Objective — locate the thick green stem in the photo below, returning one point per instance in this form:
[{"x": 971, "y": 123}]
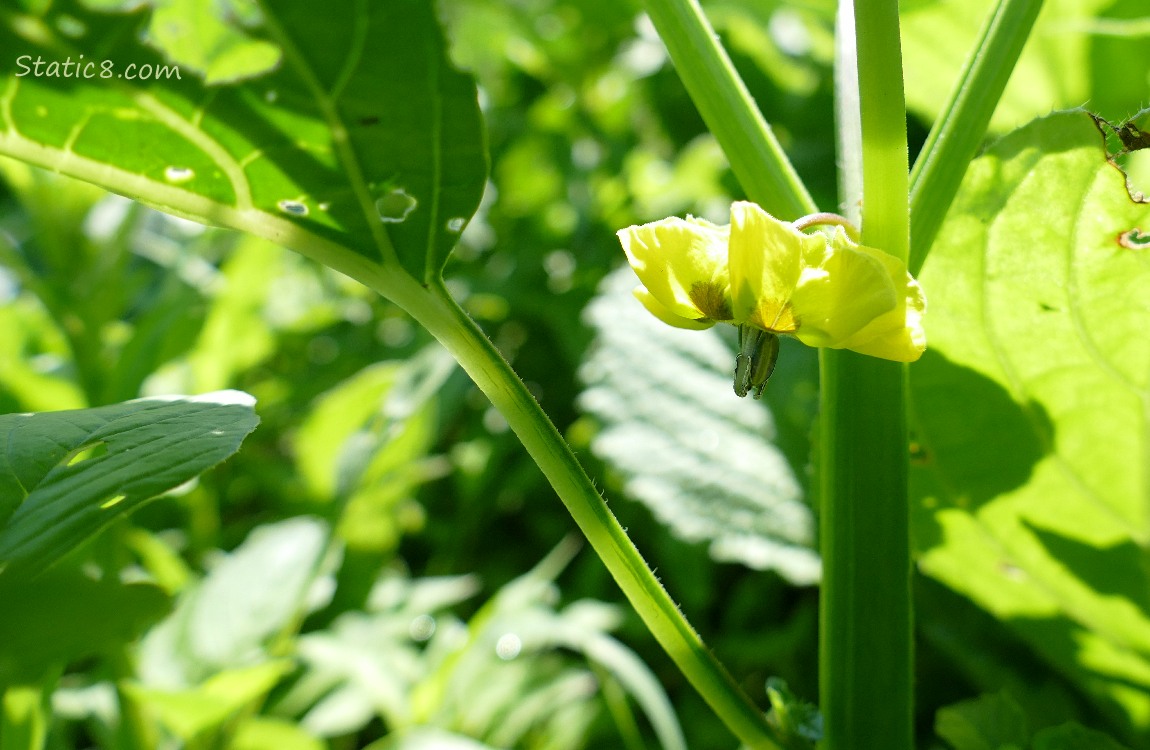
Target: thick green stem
[
  {"x": 865, "y": 614},
  {"x": 442, "y": 317},
  {"x": 955, "y": 137},
  {"x": 722, "y": 99}
]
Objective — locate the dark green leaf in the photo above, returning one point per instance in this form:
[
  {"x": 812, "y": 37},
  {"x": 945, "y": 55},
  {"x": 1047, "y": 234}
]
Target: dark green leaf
[
  {"x": 65, "y": 475},
  {"x": 363, "y": 141},
  {"x": 63, "y": 616},
  {"x": 989, "y": 722}
]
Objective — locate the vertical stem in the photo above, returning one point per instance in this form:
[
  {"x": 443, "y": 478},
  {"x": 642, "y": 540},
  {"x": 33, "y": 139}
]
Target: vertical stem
[{"x": 865, "y": 614}]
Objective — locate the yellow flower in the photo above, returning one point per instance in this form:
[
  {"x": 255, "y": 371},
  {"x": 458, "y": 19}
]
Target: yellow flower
[{"x": 826, "y": 291}]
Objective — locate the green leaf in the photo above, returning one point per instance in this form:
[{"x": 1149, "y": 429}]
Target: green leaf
[
  {"x": 989, "y": 722},
  {"x": 199, "y": 36},
  {"x": 193, "y": 711},
  {"x": 248, "y": 598},
  {"x": 65, "y": 475},
  {"x": 364, "y": 143},
  {"x": 1029, "y": 408},
  {"x": 1072, "y": 736},
  {"x": 686, "y": 446},
  {"x": 65, "y": 615},
  {"x": 261, "y": 732}
]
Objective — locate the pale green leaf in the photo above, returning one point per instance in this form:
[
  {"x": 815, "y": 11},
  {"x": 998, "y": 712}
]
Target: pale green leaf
[
  {"x": 193, "y": 711},
  {"x": 1030, "y": 408},
  {"x": 262, "y": 733},
  {"x": 65, "y": 475},
  {"x": 363, "y": 144},
  {"x": 228, "y": 619},
  {"x": 688, "y": 448}
]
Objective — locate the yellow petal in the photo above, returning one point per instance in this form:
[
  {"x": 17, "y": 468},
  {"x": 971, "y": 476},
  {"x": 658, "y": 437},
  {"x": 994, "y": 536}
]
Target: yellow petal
[
  {"x": 656, "y": 308},
  {"x": 898, "y": 335},
  {"x": 683, "y": 265},
  {"x": 840, "y": 297},
  {"x": 891, "y": 328},
  {"x": 767, "y": 259}
]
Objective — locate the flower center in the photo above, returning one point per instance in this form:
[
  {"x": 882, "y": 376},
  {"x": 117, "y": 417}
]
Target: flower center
[{"x": 711, "y": 299}]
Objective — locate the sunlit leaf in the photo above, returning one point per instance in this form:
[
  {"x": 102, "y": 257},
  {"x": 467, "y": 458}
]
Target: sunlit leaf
[
  {"x": 65, "y": 475},
  {"x": 686, "y": 446},
  {"x": 1030, "y": 408},
  {"x": 363, "y": 143},
  {"x": 192, "y": 711}
]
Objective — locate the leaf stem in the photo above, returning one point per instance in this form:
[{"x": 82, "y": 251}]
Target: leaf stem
[
  {"x": 726, "y": 106},
  {"x": 433, "y": 308},
  {"x": 865, "y": 615},
  {"x": 956, "y": 135}
]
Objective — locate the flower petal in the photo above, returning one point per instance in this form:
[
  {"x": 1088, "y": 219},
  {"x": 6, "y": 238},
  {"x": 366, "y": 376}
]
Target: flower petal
[
  {"x": 892, "y": 333},
  {"x": 656, "y": 308},
  {"x": 767, "y": 258},
  {"x": 842, "y": 296},
  {"x": 682, "y": 264}
]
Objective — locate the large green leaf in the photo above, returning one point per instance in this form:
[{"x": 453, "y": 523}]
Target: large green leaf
[
  {"x": 1030, "y": 408},
  {"x": 685, "y": 445},
  {"x": 363, "y": 143},
  {"x": 64, "y": 615},
  {"x": 65, "y": 475}
]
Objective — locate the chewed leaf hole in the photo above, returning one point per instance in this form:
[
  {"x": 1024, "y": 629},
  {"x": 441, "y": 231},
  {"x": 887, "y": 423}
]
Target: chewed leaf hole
[
  {"x": 1134, "y": 239},
  {"x": 1127, "y": 146},
  {"x": 85, "y": 452},
  {"x": 395, "y": 206},
  {"x": 295, "y": 208},
  {"x": 178, "y": 175},
  {"x": 112, "y": 502}
]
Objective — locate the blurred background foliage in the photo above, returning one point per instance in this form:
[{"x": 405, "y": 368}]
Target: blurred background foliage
[{"x": 390, "y": 630}]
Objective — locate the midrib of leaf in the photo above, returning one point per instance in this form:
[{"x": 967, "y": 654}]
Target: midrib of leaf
[{"x": 326, "y": 102}]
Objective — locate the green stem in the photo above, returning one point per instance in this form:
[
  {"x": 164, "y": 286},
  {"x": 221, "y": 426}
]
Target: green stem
[
  {"x": 956, "y": 135},
  {"x": 726, "y": 106},
  {"x": 865, "y": 615},
  {"x": 442, "y": 317}
]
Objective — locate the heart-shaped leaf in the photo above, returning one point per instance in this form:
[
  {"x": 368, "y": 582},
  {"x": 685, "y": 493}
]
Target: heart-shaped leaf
[{"x": 1030, "y": 408}]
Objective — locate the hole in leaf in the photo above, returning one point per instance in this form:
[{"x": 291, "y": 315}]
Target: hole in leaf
[
  {"x": 85, "y": 452},
  {"x": 394, "y": 207},
  {"x": 1127, "y": 147},
  {"x": 295, "y": 208},
  {"x": 1134, "y": 239},
  {"x": 112, "y": 502}
]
